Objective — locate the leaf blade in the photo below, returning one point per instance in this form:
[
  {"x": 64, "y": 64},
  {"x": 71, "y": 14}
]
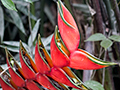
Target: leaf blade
[
  {"x": 29, "y": 1},
  {"x": 94, "y": 85},
  {"x": 1, "y": 24},
  {"x": 17, "y": 21},
  {"x": 106, "y": 43},
  {"x": 32, "y": 37},
  {"x": 115, "y": 38},
  {"x": 9, "y": 4},
  {"x": 96, "y": 37},
  {"x": 13, "y": 49}
]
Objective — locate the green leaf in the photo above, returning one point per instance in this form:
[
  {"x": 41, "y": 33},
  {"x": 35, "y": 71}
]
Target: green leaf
[
  {"x": 1, "y": 24},
  {"x": 47, "y": 40},
  {"x": 17, "y": 21},
  {"x": 29, "y": 1},
  {"x": 94, "y": 85},
  {"x": 11, "y": 48},
  {"x": 33, "y": 35},
  {"x": 106, "y": 43},
  {"x": 96, "y": 37},
  {"x": 14, "y": 43},
  {"x": 115, "y": 38},
  {"x": 9, "y": 4}
]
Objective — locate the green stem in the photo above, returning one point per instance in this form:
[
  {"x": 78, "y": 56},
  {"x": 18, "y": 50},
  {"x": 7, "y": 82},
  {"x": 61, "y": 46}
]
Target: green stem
[
  {"x": 103, "y": 79},
  {"x": 42, "y": 5},
  {"x": 32, "y": 10}
]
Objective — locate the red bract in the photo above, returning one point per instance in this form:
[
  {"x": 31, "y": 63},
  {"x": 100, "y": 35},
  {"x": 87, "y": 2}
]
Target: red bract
[
  {"x": 86, "y": 61},
  {"x": 67, "y": 77},
  {"x": 68, "y": 28},
  {"x": 59, "y": 59},
  {"x": 42, "y": 58},
  {"x": 15, "y": 70},
  {"x": 31, "y": 85},
  {"x": 6, "y": 82},
  {"x": 28, "y": 67},
  {"x": 45, "y": 82}
]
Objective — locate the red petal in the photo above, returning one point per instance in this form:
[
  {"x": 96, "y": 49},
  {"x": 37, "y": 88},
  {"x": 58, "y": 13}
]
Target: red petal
[
  {"x": 41, "y": 65},
  {"x": 58, "y": 58},
  {"x": 28, "y": 67},
  {"x": 60, "y": 76},
  {"x": 21, "y": 89},
  {"x": 42, "y": 58},
  {"x": 6, "y": 81},
  {"x": 81, "y": 59},
  {"x": 70, "y": 35},
  {"x": 15, "y": 70},
  {"x": 74, "y": 79},
  {"x": 26, "y": 70},
  {"x": 32, "y": 85},
  {"x": 45, "y": 82},
  {"x": 16, "y": 79},
  {"x": 5, "y": 86}
]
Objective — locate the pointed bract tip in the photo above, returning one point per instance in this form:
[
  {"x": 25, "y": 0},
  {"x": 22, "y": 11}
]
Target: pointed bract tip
[
  {"x": 20, "y": 41},
  {"x": 56, "y": 29},
  {"x": 39, "y": 36},
  {"x": 21, "y": 44},
  {"x": 6, "y": 49}
]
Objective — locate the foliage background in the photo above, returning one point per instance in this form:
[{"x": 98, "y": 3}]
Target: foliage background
[{"x": 40, "y": 16}]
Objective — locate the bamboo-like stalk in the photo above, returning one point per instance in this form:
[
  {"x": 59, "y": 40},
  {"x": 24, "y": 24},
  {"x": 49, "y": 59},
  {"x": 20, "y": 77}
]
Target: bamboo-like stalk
[
  {"x": 117, "y": 11},
  {"x": 89, "y": 48},
  {"x": 108, "y": 7},
  {"x": 98, "y": 16},
  {"x": 109, "y": 85}
]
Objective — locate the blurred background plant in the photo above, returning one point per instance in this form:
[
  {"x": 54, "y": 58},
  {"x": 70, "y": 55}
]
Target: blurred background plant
[{"x": 24, "y": 19}]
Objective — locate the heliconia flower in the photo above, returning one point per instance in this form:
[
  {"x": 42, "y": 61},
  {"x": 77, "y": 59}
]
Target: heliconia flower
[
  {"x": 6, "y": 82},
  {"x": 15, "y": 70},
  {"x": 59, "y": 54},
  {"x": 62, "y": 75},
  {"x": 30, "y": 70},
  {"x": 68, "y": 28},
  {"x": 78, "y": 59},
  {"x": 52, "y": 72},
  {"x": 83, "y": 60},
  {"x": 42, "y": 57},
  {"x": 28, "y": 66}
]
